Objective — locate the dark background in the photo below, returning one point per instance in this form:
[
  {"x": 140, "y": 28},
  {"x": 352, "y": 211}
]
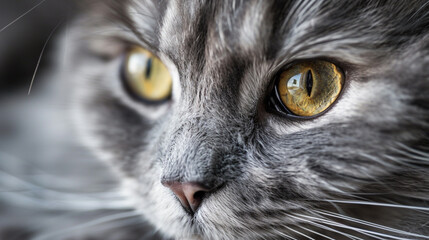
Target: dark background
[{"x": 21, "y": 43}]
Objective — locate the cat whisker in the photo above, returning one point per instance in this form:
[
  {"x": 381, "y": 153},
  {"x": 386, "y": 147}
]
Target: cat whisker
[
  {"x": 299, "y": 233},
  {"x": 420, "y": 9},
  {"x": 325, "y": 227},
  {"x": 377, "y": 204},
  {"x": 378, "y": 160},
  {"x": 72, "y": 204},
  {"x": 126, "y": 223},
  {"x": 397, "y": 203},
  {"x": 107, "y": 196},
  {"x": 355, "y": 220},
  {"x": 405, "y": 162},
  {"x": 93, "y": 223},
  {"x": 32, "y": 194},
  {"x": 22, "y": 15},
  {"x": 283, "y": 234},
  {"x": 40, "y": 57},
  {"x": 34, "y": 187},
  {"x": 43, "y": 180},
  {"x": 414, "y": 154},
  {"x": 40, "y": 226},
  {"x": 366, "y": 232},
  {"x": 413, "y": 150},
  {"x": 317, "y": 233}
]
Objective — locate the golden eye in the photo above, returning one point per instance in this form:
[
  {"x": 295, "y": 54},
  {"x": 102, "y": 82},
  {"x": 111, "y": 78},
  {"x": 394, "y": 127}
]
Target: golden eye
[
  {"x": 146, "y": 76},
  {"x": 309, "y": 88}
]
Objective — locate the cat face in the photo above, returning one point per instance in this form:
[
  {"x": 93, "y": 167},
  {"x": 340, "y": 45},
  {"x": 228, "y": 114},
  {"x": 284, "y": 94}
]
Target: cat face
[{"x": 262, "y": 174}]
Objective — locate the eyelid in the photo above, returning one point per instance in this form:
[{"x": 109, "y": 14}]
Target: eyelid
[{"x": 107, "y": 48}]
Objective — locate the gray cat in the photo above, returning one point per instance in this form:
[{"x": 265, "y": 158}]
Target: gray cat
[{"x": 255, "y": 119}]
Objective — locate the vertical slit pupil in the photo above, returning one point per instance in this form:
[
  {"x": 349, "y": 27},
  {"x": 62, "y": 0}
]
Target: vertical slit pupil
[
  {"x": 148, "y": 68},
  {"x": 309, "y": 82}
]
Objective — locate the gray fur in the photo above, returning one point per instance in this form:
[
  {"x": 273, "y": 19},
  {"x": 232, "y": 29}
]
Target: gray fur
[{"x": 277, "y": 177}]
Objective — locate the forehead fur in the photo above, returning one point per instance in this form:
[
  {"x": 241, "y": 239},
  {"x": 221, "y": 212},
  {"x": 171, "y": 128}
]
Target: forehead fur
[
  {"x": 293, "y": 26},
  {"x": 220, "y": 38}
]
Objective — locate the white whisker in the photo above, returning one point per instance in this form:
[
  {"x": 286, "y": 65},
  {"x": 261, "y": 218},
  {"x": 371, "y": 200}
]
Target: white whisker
[
  {"x": 284, "y": 234},
  {"x": 403, "y": 161},
  {"x": 376, "y": 159},
  {"x": 299, "y": 233},
  {"x": 40, "y": 57},
  {"x": 38, "y": 196},
  {"x": 373, "y": 234},
  {"x": 102, "y": 220},
  {"x": 413, "y": 150},
  {"x": 331, "y": 214},
  {"x": 34, "y": 187},
  {"x": 326, "y": 227},
  {"x": 376, "y": 204},
  {"x": 412, "y": 156},
  {"x": 72, "y": 204},
  {"x": 22, "y": 15},
  {"x": 317, "y": 233}
]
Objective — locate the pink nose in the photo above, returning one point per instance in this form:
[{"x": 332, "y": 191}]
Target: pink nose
[{"x": 190, "y": 194}]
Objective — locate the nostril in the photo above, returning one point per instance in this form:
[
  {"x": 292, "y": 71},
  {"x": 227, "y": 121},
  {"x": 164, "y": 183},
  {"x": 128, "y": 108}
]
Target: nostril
[{"x": 199, "y": 195}]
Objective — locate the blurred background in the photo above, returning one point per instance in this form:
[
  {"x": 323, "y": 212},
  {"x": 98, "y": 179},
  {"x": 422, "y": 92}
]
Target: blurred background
[{"x": 51, "y": 186}]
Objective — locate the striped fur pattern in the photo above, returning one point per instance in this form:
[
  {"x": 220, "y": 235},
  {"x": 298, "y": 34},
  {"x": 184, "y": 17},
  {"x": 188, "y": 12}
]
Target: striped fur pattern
[{"x": 359, "y": 171}]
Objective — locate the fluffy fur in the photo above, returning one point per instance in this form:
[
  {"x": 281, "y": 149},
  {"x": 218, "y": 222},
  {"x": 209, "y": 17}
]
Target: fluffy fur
[{"x": 360, "y": 171}]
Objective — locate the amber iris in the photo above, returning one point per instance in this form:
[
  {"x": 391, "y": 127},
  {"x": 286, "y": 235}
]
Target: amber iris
[
  {"x": 309, "y": 88},
  {"x": 146, "y": 76}
]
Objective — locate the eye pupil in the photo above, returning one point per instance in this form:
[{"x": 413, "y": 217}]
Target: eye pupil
[
  {"x": 148, "y": 69},
  {"x": 309, "y": 82}
]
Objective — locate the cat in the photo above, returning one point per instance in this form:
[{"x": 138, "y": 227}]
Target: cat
[{"x": 225, "y": 155}]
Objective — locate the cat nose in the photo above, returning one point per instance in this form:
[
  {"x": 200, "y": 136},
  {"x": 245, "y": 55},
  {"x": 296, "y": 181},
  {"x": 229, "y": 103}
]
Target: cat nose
[{"x": 190, "y": 194}]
